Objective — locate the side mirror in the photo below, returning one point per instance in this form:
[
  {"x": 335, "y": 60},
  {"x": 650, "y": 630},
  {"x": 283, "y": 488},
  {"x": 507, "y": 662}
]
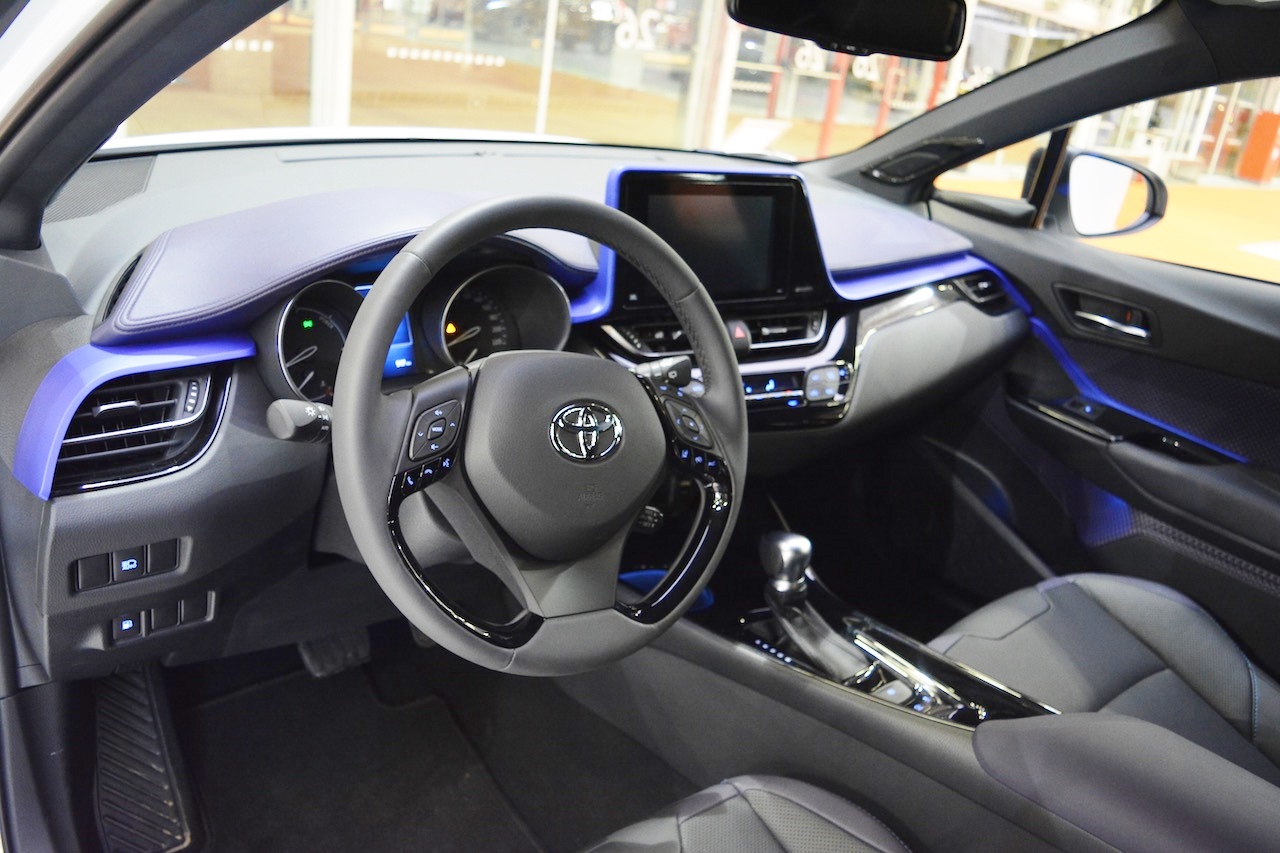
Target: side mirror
[{"x": 1108, "y": 197}]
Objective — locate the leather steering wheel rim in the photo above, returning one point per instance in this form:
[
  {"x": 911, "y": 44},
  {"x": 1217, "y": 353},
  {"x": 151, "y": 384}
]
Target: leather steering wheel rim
[{"x": 566, "y": 630}]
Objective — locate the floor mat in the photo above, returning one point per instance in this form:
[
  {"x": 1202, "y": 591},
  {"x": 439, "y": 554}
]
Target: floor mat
[
  {"x": 297, "y": 764},
  {"x": 573, "y": 777}
]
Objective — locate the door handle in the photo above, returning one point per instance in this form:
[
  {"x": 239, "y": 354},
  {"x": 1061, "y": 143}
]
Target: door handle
[{"x": 1088, "y": 317}]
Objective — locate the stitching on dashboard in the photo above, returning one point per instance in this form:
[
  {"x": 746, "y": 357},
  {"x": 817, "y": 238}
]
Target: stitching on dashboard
[
  {"x": 227, "y": 306},
  {"x": 137, "y": 284}
]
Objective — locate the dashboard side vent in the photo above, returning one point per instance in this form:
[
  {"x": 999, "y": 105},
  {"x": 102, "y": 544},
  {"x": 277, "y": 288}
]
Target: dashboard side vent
[
  {"x": 984, "y": 290},
  {"x": 117, "y": 290},
  {"x": 140, "y": 426}
]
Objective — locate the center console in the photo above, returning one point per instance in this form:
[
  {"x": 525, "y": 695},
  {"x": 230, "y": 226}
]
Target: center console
[{"x": 808, "y": 627}]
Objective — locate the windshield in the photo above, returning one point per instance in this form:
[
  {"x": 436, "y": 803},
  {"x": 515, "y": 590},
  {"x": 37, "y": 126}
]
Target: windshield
[{"x": 658, "y": 73}]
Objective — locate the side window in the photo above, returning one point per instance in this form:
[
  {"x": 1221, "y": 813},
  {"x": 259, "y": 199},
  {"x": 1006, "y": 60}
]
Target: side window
[{"x": 1217, "y": 150}]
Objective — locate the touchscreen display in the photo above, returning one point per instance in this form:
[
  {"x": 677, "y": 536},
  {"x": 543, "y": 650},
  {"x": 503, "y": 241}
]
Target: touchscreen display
[
  {"x": 734, "y": 231},
  {"x": 725, "y": 236}
]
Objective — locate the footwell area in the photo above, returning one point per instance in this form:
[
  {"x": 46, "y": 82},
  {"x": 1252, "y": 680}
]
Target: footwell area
[{"x": 415, "y": 751}]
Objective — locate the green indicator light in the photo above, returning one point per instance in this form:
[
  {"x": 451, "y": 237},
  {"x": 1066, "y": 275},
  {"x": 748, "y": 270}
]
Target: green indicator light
[{"x": 307, "y": 324}]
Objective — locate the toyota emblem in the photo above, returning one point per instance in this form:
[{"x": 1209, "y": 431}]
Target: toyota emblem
[{"x": 586, "y": 432}]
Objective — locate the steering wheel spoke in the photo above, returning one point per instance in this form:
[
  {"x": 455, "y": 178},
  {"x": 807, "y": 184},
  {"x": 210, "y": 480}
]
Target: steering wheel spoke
[{"x": 692, "y": 450}]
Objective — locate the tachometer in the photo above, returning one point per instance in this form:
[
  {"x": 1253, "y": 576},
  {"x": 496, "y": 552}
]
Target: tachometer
[{"x": 310, "y": 347}]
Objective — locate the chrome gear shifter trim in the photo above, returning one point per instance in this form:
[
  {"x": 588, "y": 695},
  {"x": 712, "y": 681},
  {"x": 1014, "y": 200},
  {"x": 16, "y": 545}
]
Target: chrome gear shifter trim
[{"x": 848, "y": 650}]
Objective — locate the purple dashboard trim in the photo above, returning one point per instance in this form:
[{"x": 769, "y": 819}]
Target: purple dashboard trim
[
  {"x": 869, "y": 285},
  {"x": 81, "y": 371}
]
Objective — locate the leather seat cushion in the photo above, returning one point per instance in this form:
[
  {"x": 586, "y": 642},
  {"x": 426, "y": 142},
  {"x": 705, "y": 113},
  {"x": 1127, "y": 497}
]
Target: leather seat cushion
[
  {"x": 758, "y": 814},
  {"x": 1115, "y": 644}
]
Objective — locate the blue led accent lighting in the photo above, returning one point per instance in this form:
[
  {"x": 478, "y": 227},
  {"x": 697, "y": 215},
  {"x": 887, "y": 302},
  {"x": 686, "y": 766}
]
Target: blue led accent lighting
[
  {"x": 1088, "y": 388},
  {"x": 1105, "y": 517},
  {"x": 644, "y": 580},
  {"x": 854, "y": 287},
  {"x": 994, "y": 499},
  {"x": 369, "y": 266}
]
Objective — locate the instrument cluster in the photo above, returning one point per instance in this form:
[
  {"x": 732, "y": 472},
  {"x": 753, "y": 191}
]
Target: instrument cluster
[{"x": 465, "y": 314}]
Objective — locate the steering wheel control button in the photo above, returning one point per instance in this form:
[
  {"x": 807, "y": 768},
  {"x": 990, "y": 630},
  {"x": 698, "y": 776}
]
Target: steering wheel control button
[
  {"x": 434, "y": 430},
  {"x": 419, "y": 477},
  {"x": 687, "y": 422},
  {"x": 585, "y": 432}
]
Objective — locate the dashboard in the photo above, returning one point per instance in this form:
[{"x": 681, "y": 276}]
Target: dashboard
[{"x": 167, "y": 520}]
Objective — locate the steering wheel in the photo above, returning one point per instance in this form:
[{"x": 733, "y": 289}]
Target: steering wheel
[{"x": 535, "y": 465}]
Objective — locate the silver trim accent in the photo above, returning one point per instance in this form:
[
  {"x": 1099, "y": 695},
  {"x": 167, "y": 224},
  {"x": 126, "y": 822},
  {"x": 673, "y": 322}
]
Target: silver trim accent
[
  {"x": 186, "y": 420},
  {"x": 830, "y": 352},
  {"x": 913, "y": 303},
  {"x": 619, "y": 339},
  {"x": 1113, "y": 325},
  {"x": 774, "y": 395}
]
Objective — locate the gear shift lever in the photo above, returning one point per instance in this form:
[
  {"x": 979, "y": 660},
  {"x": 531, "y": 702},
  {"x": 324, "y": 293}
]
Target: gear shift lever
[
  {"x": 849, "y": 656},
  {"x": 786, "y": 557}
]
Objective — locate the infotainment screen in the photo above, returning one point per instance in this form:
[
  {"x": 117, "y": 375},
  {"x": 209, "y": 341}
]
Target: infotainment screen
[{"x": 735, "y": 231}]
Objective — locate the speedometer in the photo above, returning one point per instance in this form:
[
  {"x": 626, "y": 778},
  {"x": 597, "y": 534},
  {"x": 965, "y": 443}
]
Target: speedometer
[
  {"x": 476, "y": 324},
  {"x": 501, "y": 308}
]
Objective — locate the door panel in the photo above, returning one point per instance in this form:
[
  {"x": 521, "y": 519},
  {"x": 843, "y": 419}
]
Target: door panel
[{"x": 1166, "y": 444}]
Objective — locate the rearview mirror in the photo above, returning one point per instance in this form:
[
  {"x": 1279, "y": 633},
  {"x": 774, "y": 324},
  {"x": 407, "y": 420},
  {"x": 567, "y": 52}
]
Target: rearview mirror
[
  {"x": 1109, "y": 196},
  {"x": 919, "y": 29}
]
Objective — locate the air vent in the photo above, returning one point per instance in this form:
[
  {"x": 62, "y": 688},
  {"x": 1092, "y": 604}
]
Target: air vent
[
  {"x": 139, "y": 426},
  {"x": 767, "y": 332},
  {"x": 984, "y": 290},
  {"x": 787, "y": 330},
  {"x": 654, "y": 338}
]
